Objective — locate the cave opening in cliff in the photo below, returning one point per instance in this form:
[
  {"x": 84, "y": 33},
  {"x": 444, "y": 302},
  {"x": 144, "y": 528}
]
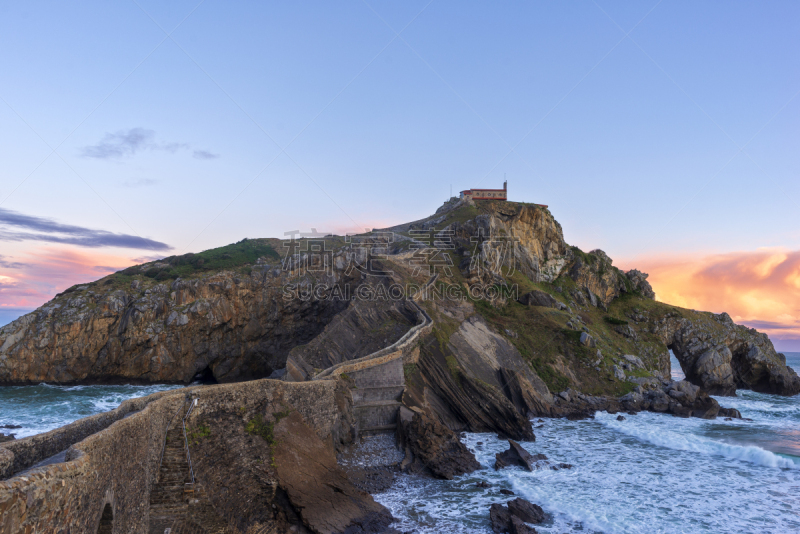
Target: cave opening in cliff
[
  {"x": 206, "y": 376},
  {"x": 106, "y": 525}
]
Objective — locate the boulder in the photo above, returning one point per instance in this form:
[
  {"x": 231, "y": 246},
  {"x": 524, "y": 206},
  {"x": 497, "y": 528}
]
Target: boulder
[
  {"x": 500, "y": 518},
  {"x": 619, "y": 374},
  {"x": 659, "y": 401},
  {"x": 526, "y": 510},
  {"x": 4, "y": 437},
  {"x": 729, "y": 412},
  {"x": 519, "y": 527},
  {"x": 512, "y": 519},
  {"x": 434, "y": 446},
  {"x": 506, "y": 492},
  {"x": 684, "y": 391},
  {"x": 626, "y": 331},
  {"x": 516, "y": 455},
  {"x": 587, "y": 340},
  {"x": 538, "y": 298},
  {"x": 634, "y": 360}
]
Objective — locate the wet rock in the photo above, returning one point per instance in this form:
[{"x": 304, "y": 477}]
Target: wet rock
[
  {"x": 434, "y": 446},
  {"x": 507, "y": 492},
  {"x": 516, "y": 455},
  {"x": 561, "y": 466},
  {"x": 729, "y": 413},
  {"x": 483, "y": 484},
  {"x": 500, "y": 518},
  {"x": 620, "y": 418},
  {"x": 519, "y": 527},
  {"x": 580, "y": 415},
  {"x": 12, "y": 427},
  {"x": 512, "y": 519},
  {"x": 526, "y": 510},
  {"x": 6, "y": 437}
]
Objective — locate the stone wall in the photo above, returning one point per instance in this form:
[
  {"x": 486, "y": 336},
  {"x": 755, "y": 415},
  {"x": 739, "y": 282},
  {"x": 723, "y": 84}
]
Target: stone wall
[
  {"x": 114, "y": 466},
  {"x": 29, "y": 451},
  {"x": 117, "y": 465}
]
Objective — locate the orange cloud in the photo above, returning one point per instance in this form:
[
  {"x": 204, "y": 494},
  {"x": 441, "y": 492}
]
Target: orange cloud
[{"x": 759, "y": 288}]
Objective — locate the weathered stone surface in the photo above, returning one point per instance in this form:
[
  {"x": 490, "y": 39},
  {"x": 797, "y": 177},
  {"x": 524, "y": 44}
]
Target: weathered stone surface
[
  {"x": 538, "y": 298},
  {"x": 512, "y": 519},
  {"x": 230, "y": 326},
  {"x": 720, "y": 356},
  {"x": 117, "y": 464},
  {"x": 317, "y": 487},
  {"x": 434, "y": 446},
  {"x": 587, "y": 341}
]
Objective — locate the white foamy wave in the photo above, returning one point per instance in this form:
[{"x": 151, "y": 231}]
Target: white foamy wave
[{"x": 657, "y": 435}]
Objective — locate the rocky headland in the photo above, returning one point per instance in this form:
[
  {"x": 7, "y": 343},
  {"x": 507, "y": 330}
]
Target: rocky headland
[{"x": 504, "y": 322}]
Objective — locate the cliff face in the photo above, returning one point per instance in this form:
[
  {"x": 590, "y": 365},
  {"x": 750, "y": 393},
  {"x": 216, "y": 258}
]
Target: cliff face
[
  {"x": 580, "y": 322},
  {"x": 236, "y": 326}
]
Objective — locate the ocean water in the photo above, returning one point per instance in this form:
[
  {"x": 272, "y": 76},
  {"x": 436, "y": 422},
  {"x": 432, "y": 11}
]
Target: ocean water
[
  {"x": 44, "y": 407},
  {"x": 651, "y": 473}
]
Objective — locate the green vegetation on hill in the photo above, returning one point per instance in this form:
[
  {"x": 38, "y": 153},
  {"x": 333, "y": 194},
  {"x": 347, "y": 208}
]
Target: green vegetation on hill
[{"x": 245, "y": 252}]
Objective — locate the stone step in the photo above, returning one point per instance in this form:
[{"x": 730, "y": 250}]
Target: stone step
[
  {"x": 377, "y": 404},
  {"x": 383, "y": 428}
]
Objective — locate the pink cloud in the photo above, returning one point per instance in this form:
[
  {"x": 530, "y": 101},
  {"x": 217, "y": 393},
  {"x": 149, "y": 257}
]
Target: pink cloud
[{"x": 47, "y": 271}]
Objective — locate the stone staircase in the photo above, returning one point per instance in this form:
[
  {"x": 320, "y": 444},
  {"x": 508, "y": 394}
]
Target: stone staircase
[
  {"x": 176, "y": 505},
  {"x": 169, "y": 498},
  {"x": 376, "y": 402}
]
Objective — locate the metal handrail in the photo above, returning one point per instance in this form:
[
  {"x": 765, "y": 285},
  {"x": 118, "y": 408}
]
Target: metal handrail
[
  {"x": 164, "y": 447},
  {"x": 186, "y": 439}
]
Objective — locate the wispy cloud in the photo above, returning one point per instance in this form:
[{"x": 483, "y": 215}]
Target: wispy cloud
[
  {"x": 126, "y": 143},
  {"x": 122, "y": 143},
  {"x": 20, "y": 227},
  {"x": 204, "y": 154},
  {"x": 759, "y": 288},
  {"x": 140, "y": 182},
  {"x": 5, "y": 264}
]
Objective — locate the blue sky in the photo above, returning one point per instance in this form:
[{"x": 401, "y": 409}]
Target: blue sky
[{"x": 652, "y": 129}]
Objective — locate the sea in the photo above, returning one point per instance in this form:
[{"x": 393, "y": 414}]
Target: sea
[{"x": 651, "y": 473}]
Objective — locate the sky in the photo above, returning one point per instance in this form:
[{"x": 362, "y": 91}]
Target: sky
[{"x": 664, "y": 133}]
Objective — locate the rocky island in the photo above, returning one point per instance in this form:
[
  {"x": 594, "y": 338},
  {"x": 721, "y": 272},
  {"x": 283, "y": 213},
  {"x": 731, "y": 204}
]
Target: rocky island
[{"x": 476, "y": 319}]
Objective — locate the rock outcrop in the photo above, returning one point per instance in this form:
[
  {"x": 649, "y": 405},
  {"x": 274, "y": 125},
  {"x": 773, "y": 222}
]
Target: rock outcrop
[
  {"x": 512, "y": 518},
  {"x": 431, "y": 446},
  {"x": 721, "y": 356},
  {"x": 516, "y": 455}
]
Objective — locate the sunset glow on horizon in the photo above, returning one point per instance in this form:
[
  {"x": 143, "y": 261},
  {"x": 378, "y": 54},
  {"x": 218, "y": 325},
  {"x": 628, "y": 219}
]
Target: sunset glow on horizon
[{"x": 760, "y": 288}]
